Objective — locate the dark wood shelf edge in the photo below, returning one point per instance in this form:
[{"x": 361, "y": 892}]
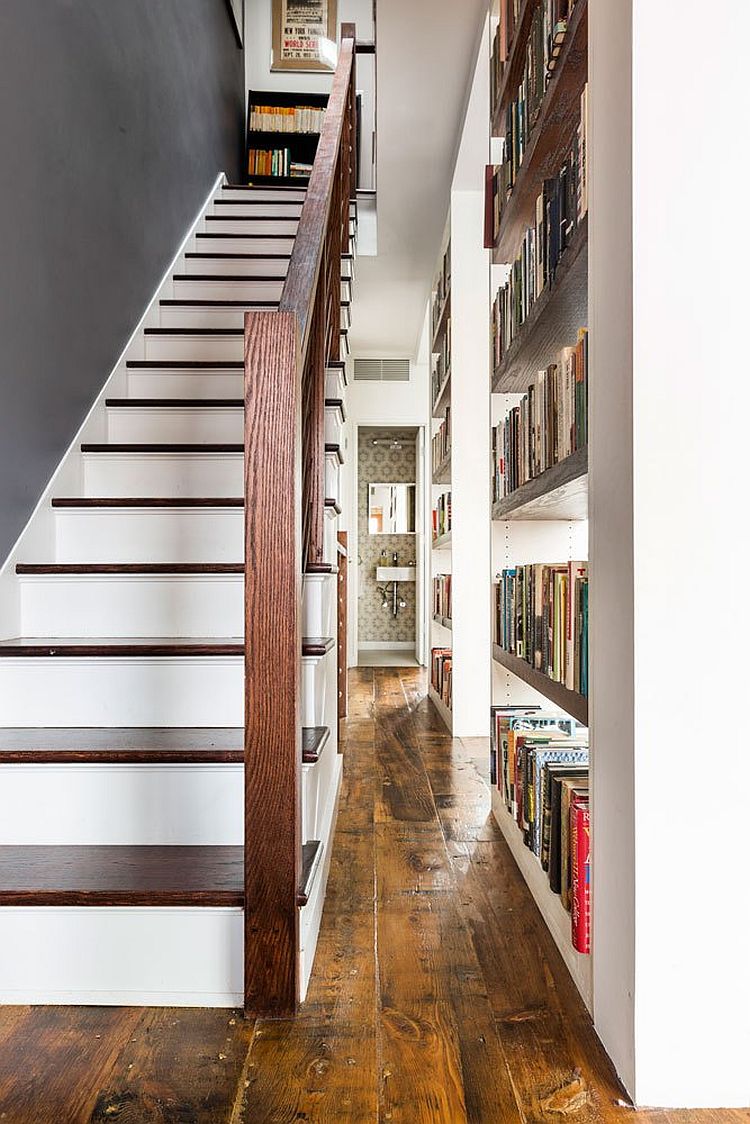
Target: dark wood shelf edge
[
  {"x": 441, "y": 474},
  {"x": 311, "y": 854},
  {"x": 572, "y": 703},
  {"x": 512, "y": 64},
  {"x": 438, "y": 406},
  {"x": 441, "y": 321},
  {"x": 546, "y": 484}
]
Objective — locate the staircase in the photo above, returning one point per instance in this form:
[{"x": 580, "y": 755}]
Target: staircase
[{"x": 152, "y": 795}]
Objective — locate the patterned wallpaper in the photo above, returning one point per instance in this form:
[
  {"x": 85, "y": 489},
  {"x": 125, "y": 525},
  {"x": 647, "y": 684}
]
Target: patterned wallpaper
[{"x": 380, "y": 465}]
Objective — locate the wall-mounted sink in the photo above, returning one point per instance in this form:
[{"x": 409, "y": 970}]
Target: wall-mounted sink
[{"x": 396, "y": 573}]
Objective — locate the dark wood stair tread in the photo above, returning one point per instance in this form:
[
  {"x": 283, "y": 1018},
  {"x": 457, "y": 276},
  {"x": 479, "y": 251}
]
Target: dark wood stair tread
[
  {"x": 331, "y": 448},
  {"x": 225, "y": 255},
  {"x": 181, "y": 403},
  {"x": 226, "y": 277},
  {"x": 261, "y": 202},
  {"x": 267, "y": 305},
  {"x": 84, "y": 502},
  {"x": 130, "y": 646},
  {"x": 209, "y": 234},
  {"x": 313, "y": 740},
  {"x": 130, "y": 568},
  {"x": 177, "y": 332},
  {"x": 130, "y": 745},
  {"x": 185, "y": 365},
  {"x": 178, "y": 447},
  {"x": 311, "y": 852},
  {"x": 121, "y": 876},
  {"x": 254, "y": 218}
]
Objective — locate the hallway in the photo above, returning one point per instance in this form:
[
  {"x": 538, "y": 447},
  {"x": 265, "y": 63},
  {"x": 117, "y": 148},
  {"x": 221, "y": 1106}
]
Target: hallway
[{"x": 437, "y": 994}]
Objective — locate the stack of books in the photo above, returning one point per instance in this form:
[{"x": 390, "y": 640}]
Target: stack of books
[
  {"x": 542, "y": 617},
  {"x": 441, "y": 442},
  {"x": 506, "y": 29},
  {"x": 560, "y": 207},
  {"x": 539, "y": 763},
  {"x": 442, "y": 289},
  {"x": 441, "y": 674},
  {"x": 286, "y": 118},
  {"x": 441, "y": 516},
  {"x": 269, "y": 162},
  {"x": 548, "y": 425},
  {"x": 442, "y": 363},
  {"x": 441, "y": 596}
]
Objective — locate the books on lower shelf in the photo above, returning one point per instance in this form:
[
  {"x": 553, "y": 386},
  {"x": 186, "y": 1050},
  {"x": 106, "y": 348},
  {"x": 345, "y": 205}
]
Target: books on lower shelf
[
  {"x": 441, "y": 289},
  {"x": 542, "y": 618},
  {"x": 286, "y": 118},
  {"x": 548, "y": 425},
  {"x": 539, "y": 763},
  {"x": 441, "y": 596},
  {"x": 506, "y": 29},
  {"x": 560, "y": 207},
  {"x": 442, "y": 361},
  {"x": 269, "y": 162},
  {"x": 442, "y": 516},
  {"x": 441, "y": 674},
  {"x": 441, "y": 442}
]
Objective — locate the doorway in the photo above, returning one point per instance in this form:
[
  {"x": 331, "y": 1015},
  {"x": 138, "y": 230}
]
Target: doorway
[{"x": 390, "y": 547}]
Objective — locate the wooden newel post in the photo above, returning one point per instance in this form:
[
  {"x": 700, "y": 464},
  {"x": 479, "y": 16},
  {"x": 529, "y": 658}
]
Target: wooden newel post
[{"x": 273, "y": 645}]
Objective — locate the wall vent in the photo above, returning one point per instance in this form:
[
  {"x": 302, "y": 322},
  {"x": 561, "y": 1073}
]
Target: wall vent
[{"x": 381, "y": 370}]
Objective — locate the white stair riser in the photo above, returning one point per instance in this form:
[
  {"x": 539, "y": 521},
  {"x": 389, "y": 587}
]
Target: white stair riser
[
  {"x": 258, "y": 208},
  {"x": 119, "y": 605},
  {"x": 187, "y": 957},
  {"x": 188, "y": 289},
  {"x": 194, "y": 348},
  {"x": 149, "y": 535},
  {"x": 163, "y": 474},
  {"x": 333, "y": 478},
  {"x": 185, "y": 384},
  {"x": 267, "y": 193},
  {"x": 333, "y": 426},
  {"x": 122, "y": 805},
  {"x": 319, "y": 691},
  {"x": 117, "y": 691},
  {"x": 273, "y": 229},
  {"x": 175, "y": 425},
  {"x": 228, "y": 243},
  {"x": 319, "y": 604},
  {"x": 252, "y": 267},
  {"x": 335, "y": 384},
  {"x": 311, "y": 914},
  {"x": 197, "y": 318}
]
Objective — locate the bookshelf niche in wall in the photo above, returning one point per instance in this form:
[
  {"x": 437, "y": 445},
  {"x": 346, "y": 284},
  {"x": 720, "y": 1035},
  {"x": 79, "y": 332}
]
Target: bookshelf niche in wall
[
  {"x": 536, "y": 226},
  {"x": 441, "y": 669},
  {"x": 283, "y": 130}
]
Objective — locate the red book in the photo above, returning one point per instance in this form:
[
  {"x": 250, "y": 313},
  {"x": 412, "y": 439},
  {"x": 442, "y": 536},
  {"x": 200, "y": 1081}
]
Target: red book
[{"x": 580, "y": 853}]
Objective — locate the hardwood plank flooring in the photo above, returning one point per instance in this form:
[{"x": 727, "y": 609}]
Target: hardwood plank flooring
[{"x": 437, "y": 993}]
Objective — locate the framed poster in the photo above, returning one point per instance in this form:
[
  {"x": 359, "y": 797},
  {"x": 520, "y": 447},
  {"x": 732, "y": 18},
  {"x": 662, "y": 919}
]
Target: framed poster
[
  {"x": 237, "y": 16},
  {"x": 304, "y": 35}
]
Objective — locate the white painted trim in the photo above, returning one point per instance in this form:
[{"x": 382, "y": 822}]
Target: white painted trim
[
  {"x": 36, "y": 540},
  {"x": 387, "y": 645}
]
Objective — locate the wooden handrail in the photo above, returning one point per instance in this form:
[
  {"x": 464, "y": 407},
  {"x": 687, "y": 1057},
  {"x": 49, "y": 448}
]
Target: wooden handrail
[
  {"x": 286, "y": 353},
  {"x": 298, "y": 294}
]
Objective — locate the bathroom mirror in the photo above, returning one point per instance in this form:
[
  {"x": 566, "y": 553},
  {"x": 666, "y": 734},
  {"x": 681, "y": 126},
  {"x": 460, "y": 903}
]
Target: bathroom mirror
[{"x": 392, "y": 509}]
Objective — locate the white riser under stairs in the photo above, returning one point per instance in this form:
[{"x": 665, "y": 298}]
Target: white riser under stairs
[{"x": 142, "y": 663}]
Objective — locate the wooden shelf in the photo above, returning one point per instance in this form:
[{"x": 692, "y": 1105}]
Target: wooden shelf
[
  {"x": 559, "y": 493},
  {"x": 549, "y": 904},
  {"x": 278, "y": 181},
  {"x": 550, "y": 137},
  {"x": 446, "y": 622},
  {"x": 442, "y": 542},
  {"x": 441, "y": 474},
  {"x": 513, "y": 66},
  {"x": 553, "y": 322},
  {"x": 443, "y": 397},
  {"x": 442, "y": 321},
  {"x": 569, "y": 701},
  {"x": 445, "y": 713}
]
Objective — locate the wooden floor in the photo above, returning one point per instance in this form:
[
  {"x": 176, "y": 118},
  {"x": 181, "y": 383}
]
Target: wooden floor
[{"x": 437, "y": 993}]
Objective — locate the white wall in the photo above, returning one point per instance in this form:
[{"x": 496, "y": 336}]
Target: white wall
[{"x": 670, "y": 549}]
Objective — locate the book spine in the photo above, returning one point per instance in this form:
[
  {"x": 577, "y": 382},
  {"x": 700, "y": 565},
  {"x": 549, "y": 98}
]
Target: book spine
[{"x": 581, "y": 876}]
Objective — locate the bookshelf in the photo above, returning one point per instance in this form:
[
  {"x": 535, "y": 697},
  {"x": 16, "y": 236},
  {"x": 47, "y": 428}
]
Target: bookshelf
[
  {"x": 440, "y": 468},
  {"x": 301, "y": 145},
  {"x": 545, "y": 519}
]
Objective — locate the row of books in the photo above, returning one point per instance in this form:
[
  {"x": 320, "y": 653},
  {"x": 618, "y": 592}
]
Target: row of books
[
  {"x": 441, "y": 674},
  {"x": 441, "y": 596},
  {"x": 441, "y": 442},
  {"x": 442, "y": 516},
  {"x": 542, "y": 613},
  {"x": 548, "y": 425},
  {"x": 559, "y": 211},
  {"x": 504, "y": 35},
  {"x": 441, "y": 289},
  {"x": 539, "y": 763},
  {"x": 286, "y": 118},
  {"x": 275, "y": 162},
  {"x": 549, "y": 24},
  {"x": 442, "y": 361}
]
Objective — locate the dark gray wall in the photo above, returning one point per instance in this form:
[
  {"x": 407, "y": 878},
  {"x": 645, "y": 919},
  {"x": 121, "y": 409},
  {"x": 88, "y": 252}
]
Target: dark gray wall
[{"x": 115, "y": 118}]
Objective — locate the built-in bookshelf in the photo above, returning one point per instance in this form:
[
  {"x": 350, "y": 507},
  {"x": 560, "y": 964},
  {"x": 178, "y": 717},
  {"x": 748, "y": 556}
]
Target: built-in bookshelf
[
  {"x": 537, "y": 208},
  {"x": 441, "y": 681},
  {"x": 283, "y": 129}
]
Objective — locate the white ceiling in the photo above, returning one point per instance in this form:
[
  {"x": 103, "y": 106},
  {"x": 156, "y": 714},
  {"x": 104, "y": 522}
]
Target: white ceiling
[{"x": 426, "y": 50}]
